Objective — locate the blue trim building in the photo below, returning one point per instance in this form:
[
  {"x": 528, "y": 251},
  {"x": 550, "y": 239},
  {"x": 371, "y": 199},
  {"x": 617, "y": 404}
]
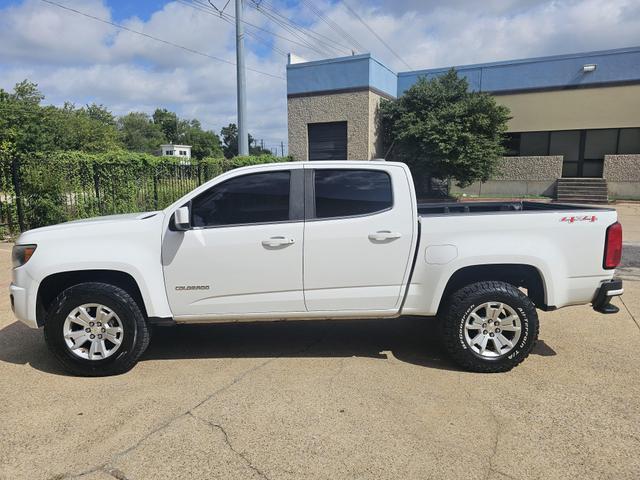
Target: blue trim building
[{"x": 582, "y": 108}]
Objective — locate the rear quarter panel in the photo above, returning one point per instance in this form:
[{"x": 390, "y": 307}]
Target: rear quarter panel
[{"x": 566, "y": 247}]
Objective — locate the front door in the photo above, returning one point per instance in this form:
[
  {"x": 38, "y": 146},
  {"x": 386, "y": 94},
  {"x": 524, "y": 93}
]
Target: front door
[
  {"x": 243, "y": 254},
  {"x": 358, "y": 238}
]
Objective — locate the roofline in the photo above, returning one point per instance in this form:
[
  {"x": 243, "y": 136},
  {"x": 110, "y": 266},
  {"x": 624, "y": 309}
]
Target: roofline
[
  {"x": 324, "y": 61},
  {"x": 522, "y": 61},
  {"x": 348, "y": 58}
]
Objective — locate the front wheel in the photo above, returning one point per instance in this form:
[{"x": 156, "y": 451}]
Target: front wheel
[
  {"x": 489, "y": 326},
  {"x": 96, "y": 329}
]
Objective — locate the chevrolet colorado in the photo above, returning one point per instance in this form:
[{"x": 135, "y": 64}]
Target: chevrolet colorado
[{"x": 314, "y": 240}]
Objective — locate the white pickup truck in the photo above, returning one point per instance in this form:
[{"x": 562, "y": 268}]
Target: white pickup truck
[{"x": 314, "y": 240}]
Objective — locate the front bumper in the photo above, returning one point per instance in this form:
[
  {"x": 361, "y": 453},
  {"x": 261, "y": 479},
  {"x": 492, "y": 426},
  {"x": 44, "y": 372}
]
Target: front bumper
[
  {"x": 23, "y": 293},
  {"x": 602, "y": 301}
]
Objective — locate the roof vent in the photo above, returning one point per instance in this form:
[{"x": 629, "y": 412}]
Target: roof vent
[{"x": 589, "y": 67}]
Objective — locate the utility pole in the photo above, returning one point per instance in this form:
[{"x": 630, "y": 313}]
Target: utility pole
[
  {"x": 243, "y": 134},
  {"x": 282, "y": 147}
]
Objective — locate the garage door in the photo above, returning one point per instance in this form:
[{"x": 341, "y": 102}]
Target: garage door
[{"x": 327, "y": 141}]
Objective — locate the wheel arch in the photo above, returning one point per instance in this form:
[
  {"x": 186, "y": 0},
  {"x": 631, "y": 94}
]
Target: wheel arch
[
  {"x": 51, "y": 286},
  {"x": 520, "y": 275}
]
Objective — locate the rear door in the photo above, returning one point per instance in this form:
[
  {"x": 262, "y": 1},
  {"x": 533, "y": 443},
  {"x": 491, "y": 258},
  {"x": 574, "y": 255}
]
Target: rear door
[{"x": 359, "y": 231}]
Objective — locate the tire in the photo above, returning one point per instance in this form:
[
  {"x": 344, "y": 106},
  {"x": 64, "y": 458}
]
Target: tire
[
  {"x": 68, "y": 315},
  {"x": 467, "y": 321}
]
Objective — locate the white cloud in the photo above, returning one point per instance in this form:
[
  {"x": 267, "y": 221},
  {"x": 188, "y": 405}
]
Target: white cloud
[{"x": 82, "y": 60}]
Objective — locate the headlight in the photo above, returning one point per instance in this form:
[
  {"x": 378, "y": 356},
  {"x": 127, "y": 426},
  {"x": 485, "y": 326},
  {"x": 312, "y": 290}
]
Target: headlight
[{"x": 21, "y": 254}]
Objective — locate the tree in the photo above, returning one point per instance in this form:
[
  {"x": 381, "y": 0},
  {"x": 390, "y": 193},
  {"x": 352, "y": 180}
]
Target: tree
[
  {"x": 204, "y": 143},
  {"x": 25, "y": 126},
  {"x": 168, "y": 123},
  {"x": 230, "y": 143},
  {"x": 139, "y": 133},
  {"x": 100, "y": 114},
  {"x": 89, "y": 129},
  {"x": 443, "y": 130}
]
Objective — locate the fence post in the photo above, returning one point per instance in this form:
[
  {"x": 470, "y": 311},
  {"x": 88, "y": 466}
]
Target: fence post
[
  {"x": 155, "y": 188},
  {"x": 96, "y": 185},
  {"x": 17, "y": 188}
]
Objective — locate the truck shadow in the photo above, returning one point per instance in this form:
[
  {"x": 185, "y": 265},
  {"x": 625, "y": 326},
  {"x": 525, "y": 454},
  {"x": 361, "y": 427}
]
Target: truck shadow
[{"x": 411, "y": 340}]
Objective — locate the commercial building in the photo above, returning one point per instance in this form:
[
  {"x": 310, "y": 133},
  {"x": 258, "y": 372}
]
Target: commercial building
[
  {"x": 575, "y": 130},
  {"x": 171, "y": 150}
]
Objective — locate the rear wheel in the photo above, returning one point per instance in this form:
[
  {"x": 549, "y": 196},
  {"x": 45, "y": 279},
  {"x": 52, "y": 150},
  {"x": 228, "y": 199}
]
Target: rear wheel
[
  {"x": 489, "y": 326},
  {"x": 96, "y": 329}
]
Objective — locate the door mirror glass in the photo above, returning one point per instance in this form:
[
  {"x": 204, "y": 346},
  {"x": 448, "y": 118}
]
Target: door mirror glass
[{"x": 182, "y": 219}]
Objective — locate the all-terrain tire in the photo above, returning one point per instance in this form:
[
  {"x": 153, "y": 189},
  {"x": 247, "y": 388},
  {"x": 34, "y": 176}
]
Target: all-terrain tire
[
  {"x": 460, "y": 305},
  {"x": 135, "y": 329}
]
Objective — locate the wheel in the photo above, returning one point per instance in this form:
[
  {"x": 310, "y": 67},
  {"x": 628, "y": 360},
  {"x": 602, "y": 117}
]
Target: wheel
[
  {"x": 489, "y": 326},
  {"x": 96, "y": 329}
]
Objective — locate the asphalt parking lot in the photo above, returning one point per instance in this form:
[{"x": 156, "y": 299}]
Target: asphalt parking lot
[{"x": 364, "y": 399}]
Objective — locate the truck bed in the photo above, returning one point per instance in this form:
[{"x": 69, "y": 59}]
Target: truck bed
[{"x": 448, "y": 208}]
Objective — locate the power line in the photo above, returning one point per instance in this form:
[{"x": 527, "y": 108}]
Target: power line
[
  {"x": 375, "y": 34},
  {"x": 157, "y": 39},
  {"x": 320, "y": 50},
  {"x": 199, "y": 5},
  {"x": 229, "y": 19},
  {"x": 318, "y": 37},
  {"x": 334, "y": 26}
]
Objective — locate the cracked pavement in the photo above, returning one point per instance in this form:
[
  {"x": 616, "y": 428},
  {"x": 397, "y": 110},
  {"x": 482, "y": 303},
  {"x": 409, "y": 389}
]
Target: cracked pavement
[{"x": 363, "y": 399}]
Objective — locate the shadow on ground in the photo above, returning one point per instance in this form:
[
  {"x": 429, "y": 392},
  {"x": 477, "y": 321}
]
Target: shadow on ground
[{"x": 411, "y": 340}]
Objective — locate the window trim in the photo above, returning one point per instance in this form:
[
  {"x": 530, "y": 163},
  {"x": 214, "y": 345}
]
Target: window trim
[
  {"x": 296, "y": 199},
  {"x": 310, "y": 195}
]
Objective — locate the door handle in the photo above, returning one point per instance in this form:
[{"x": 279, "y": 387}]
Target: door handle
[
  {"x": 279, "y": 241},
  {"x": 382, "y": 235}
]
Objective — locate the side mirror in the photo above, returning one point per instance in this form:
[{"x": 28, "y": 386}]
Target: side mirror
[{"x": 182, "y": 219}]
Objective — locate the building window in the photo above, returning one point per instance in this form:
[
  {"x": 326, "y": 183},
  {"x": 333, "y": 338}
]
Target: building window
[
  {"x": 533, "y": 144},
  {"x": 629, "y": 141},
  {"x": 583, "y": 151},
  {"x": 567, "y": 144},
  {"x": 183, "y": 152},
  {"x": 327, "y": 141},
  {"x": 169, "y": 152}
]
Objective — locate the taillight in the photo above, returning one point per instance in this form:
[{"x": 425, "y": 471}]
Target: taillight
[{"x": 613, "y": 246}]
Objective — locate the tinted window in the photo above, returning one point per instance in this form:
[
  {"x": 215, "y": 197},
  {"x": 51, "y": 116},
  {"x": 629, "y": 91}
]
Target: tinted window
[
  {"x": 341, "y": 193},
  {"x": 629, "y": 140},
  {"x": 255, "y": 198},
  {"x": 511, "y": 144},
  {"x": 534, "y": 144},
  {"x": 599, "y": 143}
]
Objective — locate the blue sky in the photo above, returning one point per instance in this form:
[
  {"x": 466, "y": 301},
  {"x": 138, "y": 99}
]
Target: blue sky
[{"x": 80, "y": 60}]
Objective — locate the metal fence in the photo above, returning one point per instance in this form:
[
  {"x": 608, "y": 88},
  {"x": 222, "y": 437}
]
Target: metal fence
[{"x": 39, "y": 192}]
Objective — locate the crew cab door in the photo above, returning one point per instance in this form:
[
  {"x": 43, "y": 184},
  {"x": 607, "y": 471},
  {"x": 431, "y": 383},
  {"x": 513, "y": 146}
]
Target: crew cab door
[
  {"x": 243, "y": 253},
  {"x": 359, "y": 237}
]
